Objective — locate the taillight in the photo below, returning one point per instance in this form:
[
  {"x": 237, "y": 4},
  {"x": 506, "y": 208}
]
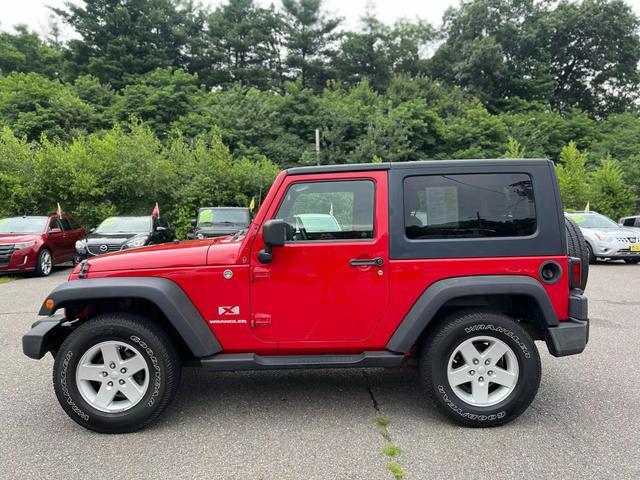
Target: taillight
[{"x": 575, "y": 272}]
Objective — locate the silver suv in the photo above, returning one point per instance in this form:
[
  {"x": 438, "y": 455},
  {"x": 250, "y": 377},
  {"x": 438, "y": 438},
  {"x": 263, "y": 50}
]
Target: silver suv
[{"x": 606, "y": 239}]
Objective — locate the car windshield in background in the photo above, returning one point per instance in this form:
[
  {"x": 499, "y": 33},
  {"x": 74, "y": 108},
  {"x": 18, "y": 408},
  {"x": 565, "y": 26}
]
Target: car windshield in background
[
  {"x": 23, "y": 224},
  {"x": 592, "y": 220},
  {"x": 125, "y": 225},
  {"x": 214, "y": 216}
]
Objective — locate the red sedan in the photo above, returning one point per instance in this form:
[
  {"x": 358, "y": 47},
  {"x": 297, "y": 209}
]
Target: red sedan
[{"x": 37, "y": 243}]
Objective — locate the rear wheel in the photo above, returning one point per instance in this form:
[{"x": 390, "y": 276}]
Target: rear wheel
[
  {"x": 116, "y": 373},
  {"x": 44, "y": 263},
  {"x": 481, "y": 368}
]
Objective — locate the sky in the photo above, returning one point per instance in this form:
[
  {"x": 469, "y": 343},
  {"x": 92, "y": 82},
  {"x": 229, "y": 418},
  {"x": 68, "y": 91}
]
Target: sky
[{"x": 35, "y": 14}]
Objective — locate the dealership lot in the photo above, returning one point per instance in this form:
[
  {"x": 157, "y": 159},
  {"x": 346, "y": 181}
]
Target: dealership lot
[{"x": 319, "y": 424}]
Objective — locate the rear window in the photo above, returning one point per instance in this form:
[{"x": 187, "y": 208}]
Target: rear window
[{"x": 469, "y": 206}]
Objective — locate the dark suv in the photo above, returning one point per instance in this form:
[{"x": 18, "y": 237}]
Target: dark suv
[
  {"x": 122, "y": 233},
  {"x": 219, "y": 221},
  {"x": 458, "y": 266},
  {"x": 37, "y": 243}
]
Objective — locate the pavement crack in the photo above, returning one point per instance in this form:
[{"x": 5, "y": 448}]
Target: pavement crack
[{"x": 374, "y": 400}]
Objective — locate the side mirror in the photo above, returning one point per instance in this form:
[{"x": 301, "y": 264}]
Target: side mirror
[
  {"x": 54, "y": 231},
  {"x": 92, "y": 230},
  {"x": 194, "y": 223},
  {"x": 274, "y": 234}
]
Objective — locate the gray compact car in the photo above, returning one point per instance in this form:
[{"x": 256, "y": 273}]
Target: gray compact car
[{"x": 606, "y": 239}]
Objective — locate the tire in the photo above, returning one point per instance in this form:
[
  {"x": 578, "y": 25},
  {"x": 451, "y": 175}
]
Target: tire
[
  {"x": 632, "y": 261},
  {"x": 592, "y": 258},
  {"x": 44, "y": 263},
  {"x": 578, "y": 247},
  {"x": 147, "y": 349},
  {"x": 521, "y": 360}
]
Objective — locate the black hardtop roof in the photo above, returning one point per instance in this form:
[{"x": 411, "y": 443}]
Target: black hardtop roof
[{"x": 363, "y": 167}]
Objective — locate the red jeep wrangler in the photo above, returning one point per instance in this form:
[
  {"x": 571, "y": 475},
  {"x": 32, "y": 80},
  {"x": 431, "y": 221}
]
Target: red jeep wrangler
[{"x": 458, "y": 265}]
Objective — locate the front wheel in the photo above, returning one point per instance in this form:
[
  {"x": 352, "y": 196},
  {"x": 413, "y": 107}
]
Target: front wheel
[
  {"x": 116, "y": 373},
  {"x": 632, "y": 261},
  {"x": 481, "y": 368},
  {"x": 44, "y": 263}
]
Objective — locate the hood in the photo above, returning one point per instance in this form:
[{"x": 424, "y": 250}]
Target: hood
[
  {"x": 190, "y": 253},
  {"x": 615, "y": 231},
  {"x": 18, "y": 237},
  {"x": 111, "y": 238}
]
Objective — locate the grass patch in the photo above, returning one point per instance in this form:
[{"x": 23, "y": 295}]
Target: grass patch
[
  {"x": 6, "y": 280},
  {"x": 381, "y": 421},
  {"x": 396, "y": 470},
  {"x": 391, "y": 450}
]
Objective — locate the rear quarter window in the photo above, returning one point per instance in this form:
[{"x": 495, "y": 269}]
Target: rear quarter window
[{"x": 469, "y": 206}]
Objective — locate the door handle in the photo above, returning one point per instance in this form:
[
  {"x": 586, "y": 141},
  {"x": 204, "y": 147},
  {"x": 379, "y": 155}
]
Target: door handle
[{"x": 366, "y": 262}]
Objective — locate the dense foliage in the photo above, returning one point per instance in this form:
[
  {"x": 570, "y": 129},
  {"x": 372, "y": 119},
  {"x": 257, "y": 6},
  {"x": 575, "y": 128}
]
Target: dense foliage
[{"x": 166, "y": 100}]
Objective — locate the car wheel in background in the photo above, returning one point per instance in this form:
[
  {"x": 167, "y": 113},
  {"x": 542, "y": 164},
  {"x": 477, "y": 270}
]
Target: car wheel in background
[
  {"x": 633, "y": 261},
  {"x": 578, "y": 247},
  {"x": 44, "y": 264}
]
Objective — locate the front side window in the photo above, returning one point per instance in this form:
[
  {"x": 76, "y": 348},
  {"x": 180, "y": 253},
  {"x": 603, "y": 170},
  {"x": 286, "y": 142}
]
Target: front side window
[
  {"x": 469, "y": 206},
  {"x": 341, "y": 210}
]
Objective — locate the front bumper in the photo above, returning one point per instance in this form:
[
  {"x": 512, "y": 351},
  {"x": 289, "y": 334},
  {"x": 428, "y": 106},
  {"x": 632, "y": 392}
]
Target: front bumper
[
  {"x": 570, "y": 337},
  {"x": 616, "y": 250},
  {"x": 23, "y": 260},
  {"x": 45, "y": 335}
]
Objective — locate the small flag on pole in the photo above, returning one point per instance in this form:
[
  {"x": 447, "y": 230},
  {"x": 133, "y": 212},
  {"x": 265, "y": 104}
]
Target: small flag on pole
[
  {"x": 58, "y": 210},
  {"x": 586, "y": 209},
  {"x": 156, "y": 211},
  {"x": 252, "y": 204}
]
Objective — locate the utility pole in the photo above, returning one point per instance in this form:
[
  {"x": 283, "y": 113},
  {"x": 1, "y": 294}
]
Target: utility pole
[{"x": 317, "y": 146}]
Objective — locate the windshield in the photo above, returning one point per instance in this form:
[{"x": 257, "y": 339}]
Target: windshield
[
  {"x": 318, "y": 222},
  {"x": 215, "y": 216},
  {"x": 23, "y": 224},
  {"x": 592, "y": 220},
  {"x": 125, "y": 225}
]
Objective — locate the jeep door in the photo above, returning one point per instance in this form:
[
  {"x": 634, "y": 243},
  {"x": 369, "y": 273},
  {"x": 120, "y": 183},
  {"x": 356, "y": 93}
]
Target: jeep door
[{"x": 328, "y": 285}]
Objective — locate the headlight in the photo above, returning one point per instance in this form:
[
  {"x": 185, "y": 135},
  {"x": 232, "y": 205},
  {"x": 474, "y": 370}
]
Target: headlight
[
  {"x": 20, "y": 246},
  {"x": 136, "y": 242},
  {"x": 603, "y": 237},
  {"x": 81, "y": 246}
]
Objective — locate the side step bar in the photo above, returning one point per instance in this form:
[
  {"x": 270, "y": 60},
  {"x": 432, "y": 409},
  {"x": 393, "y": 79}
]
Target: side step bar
[{"x": 251, "y": 361}]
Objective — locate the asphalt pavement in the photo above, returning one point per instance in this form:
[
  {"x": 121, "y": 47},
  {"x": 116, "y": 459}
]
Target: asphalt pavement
[{"x": 584, "y": 423}]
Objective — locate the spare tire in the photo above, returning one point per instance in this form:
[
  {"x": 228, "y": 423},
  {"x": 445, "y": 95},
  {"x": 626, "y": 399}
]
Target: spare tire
[{"x": 577, "y": 247}]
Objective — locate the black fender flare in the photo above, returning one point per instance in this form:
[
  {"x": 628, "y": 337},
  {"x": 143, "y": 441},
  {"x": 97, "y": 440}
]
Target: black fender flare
[
  {"x": 442, "y": 291},
  {"x": 163, "y": 293}
]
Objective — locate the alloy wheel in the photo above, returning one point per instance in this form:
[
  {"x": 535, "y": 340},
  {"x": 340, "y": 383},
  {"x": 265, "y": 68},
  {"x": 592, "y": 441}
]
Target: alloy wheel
[
  {"x": 112, "y": 376},
  {"x": 482, "y": 371}
]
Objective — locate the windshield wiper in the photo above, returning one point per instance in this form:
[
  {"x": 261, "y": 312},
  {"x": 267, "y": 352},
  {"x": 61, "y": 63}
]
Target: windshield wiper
[{"x": 239, "y": 233}]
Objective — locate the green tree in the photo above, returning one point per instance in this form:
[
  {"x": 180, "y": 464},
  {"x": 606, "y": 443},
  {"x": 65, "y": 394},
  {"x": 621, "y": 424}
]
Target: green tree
[
  {"x": 121, "y": 38},
  {"x": 244, "y": 45},
  {"x": 159, "y": 99},
  {"x": 610, "y": 195},
  {"x": 33, "y": 105},
  {"x": 594, "y": 51},
  {"x": 26, "y": 52},
  {"x": 572, "y": 177},
  {"x": 310, "y": 38},
  {"x": 514, "y": 149}
]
